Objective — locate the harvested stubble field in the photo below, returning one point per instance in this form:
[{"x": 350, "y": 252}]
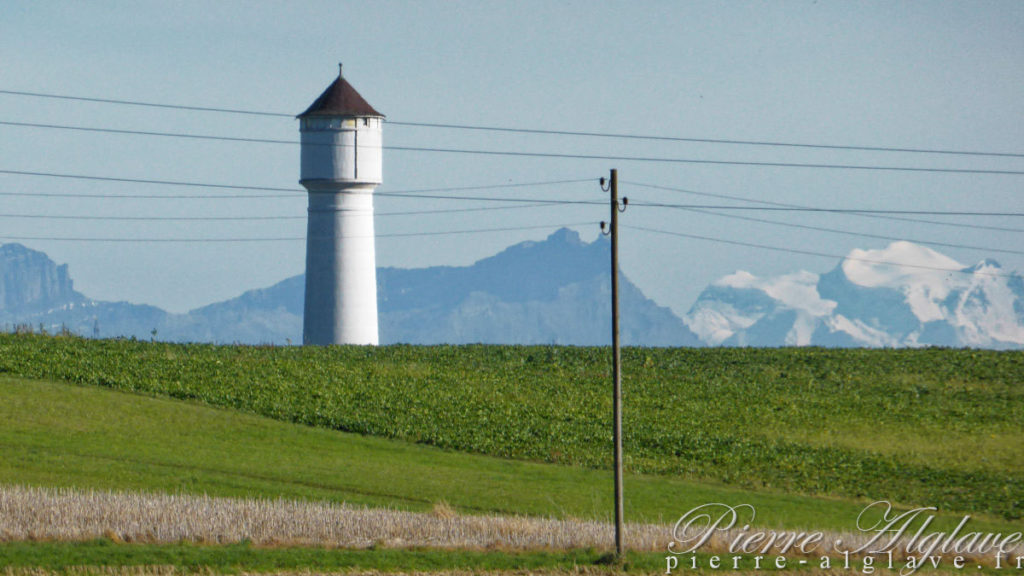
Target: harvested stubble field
[
  {"x": 40, "y": 514},
  {"x": 77, "y": 515}
]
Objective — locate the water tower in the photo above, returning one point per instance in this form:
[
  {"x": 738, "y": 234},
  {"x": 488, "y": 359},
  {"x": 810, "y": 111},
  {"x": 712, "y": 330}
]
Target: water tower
[{"x": 341, "y": 166}]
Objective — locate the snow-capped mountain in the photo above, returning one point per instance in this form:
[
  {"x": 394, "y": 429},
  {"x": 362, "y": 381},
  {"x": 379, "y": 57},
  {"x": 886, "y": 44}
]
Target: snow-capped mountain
[{"x": 902, "y": 295}]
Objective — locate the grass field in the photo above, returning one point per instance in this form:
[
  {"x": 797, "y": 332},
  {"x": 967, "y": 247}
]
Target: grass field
[
  {"x": 807, "y": 436},
  {"x": 62, "y": 435},
  {"x": 928, "y": 427},
  {"x": 59, "y": 557}
]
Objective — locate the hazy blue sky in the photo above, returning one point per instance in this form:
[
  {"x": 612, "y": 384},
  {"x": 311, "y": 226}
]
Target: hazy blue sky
[{"x": 922, "y": 74}]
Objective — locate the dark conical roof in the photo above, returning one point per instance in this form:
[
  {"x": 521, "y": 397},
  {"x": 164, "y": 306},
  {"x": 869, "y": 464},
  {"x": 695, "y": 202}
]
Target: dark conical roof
[{"x": 340, "y": 99}]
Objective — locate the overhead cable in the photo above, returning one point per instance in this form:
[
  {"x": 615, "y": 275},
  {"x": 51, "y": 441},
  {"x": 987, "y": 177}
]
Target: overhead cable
[
  {"x": 790, "y": 205},
  {"x": 255, "y": 218},
  {"x": 811, "y": 252},
  {"x": 287, "y": 238},
  {"x": 560, "y": 155},
  {"x": 291, "y": 192},
  {"x": 828, "y": 210},
  {"x": 852, "y": 233},
  {"x": 417, "y": 194},
  {"x": 656, "y": 138}
]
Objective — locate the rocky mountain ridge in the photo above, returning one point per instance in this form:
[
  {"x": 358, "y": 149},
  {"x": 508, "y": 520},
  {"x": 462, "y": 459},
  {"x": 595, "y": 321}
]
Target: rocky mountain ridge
[{"x": 556, "y": 291}]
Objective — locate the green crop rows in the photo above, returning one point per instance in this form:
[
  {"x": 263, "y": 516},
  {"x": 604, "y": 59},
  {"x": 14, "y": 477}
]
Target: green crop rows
[{"x": 930, "y": 427}]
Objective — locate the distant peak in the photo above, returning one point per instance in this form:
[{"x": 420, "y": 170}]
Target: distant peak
[
  {"x": 985, "y": 263},
  {"x": 738, "y": 279},
  {"x": 898, "y": 263},
  {"x": 566, "y": 236},
  {"x": 12, "y": 248}
]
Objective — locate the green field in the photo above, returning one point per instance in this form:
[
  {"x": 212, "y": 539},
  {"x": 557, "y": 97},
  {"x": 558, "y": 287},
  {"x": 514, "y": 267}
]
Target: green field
[
  {"x": 58, "y": 434},
  {"x": 62, "y": 435},
  {"x": 921, "y": 427},
  {"x": 57, "y": 557}
]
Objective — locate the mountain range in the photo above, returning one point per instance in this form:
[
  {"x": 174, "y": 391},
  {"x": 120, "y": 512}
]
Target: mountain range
[
  {"x": 557, "y": 291},
  {"x": 928, "y": 299}
]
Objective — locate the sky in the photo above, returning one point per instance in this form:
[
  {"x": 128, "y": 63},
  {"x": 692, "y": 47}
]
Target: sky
[{"x": 929, "y": 75}]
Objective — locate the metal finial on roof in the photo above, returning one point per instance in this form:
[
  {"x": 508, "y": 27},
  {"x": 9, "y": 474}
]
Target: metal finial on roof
[{"x": 339, "y": 69}]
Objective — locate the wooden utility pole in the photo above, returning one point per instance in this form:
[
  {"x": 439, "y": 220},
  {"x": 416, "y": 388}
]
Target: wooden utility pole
[{"x": 616, "y": 359}]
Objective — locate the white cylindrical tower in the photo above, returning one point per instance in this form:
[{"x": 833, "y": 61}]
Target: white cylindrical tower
[{"x": 341, "y": 166}]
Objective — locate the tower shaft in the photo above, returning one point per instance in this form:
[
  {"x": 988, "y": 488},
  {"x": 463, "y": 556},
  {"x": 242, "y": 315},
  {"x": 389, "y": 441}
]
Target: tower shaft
[{"x": 341, "y": 271}]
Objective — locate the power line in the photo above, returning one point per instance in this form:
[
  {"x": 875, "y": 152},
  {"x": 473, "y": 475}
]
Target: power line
[
  {"x": 418, "y": 194},
  {"x": 291, "y": 192},
  {"x": 483, "y": 230},
  {"x": 851, "y": 233},
  {"x": 147, "y": 240},
  {"x": 288, "y": 238},
  {"x": 148, "y": 218},
  {"x": 663, "y": 160},
  {"x": 257, "y": 218},
  {"x": 609, "y": 135},
  {"x": 496, "y": 186},
  {"x": 454, "y": 210},
  {"x": 828, "y": 210},
  {"x": 811, "y": 252},
  {"x": 558, "y": 155},
  {"x": 151, "y": 196},
  {"x": 492, "y": 199},
  {"x": 152, "y": 133},
  {"x": 872, "y": 216},
  {"x": 145, "y": 104},
  {"x": 766, "y": 143}
]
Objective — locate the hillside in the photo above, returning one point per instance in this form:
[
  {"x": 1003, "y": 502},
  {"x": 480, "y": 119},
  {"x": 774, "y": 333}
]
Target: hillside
[
  {"x": 167, "y": 446},
  {"x": 804, "y": 421}
]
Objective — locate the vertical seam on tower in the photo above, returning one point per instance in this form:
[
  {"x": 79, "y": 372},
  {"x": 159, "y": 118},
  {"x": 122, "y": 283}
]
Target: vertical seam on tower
[{"x": 355, "y": 154}]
